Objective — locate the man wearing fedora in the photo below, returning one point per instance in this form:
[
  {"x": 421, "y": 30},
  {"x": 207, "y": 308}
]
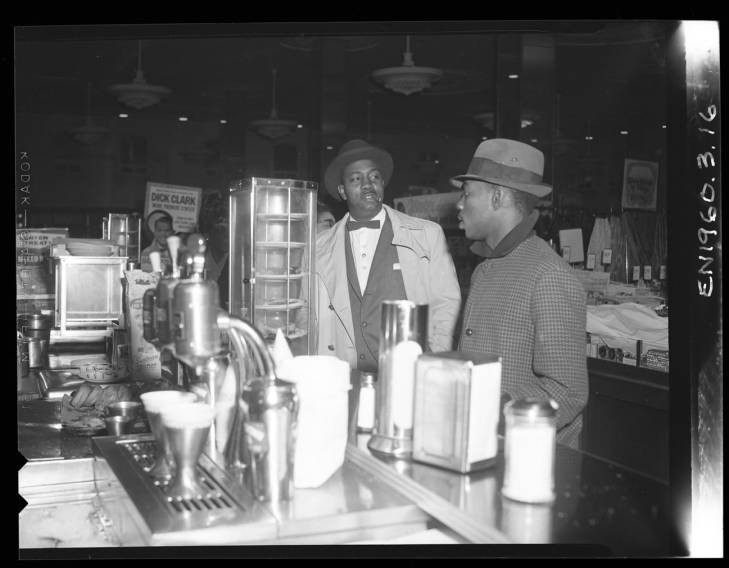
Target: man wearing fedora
[
  {"x": 373, "y": 254},
  {"x": 524, "y": 303}
]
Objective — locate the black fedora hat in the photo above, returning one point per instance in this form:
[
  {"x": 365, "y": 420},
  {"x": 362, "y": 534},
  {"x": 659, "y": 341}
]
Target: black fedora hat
[{"x": 352, "y": 151}]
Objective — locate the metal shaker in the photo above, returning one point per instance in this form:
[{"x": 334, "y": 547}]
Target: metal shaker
[
  {"x": 36, "y": 325},
  {"x": 403, "y": 337},
  {"x": 270, "y": 420},
  {"x": 37, "y": 352},
  {"x": 195, "y": 315}
]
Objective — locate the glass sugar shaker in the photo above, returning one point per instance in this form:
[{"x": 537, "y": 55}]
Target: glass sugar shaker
[
  {"x": 366, "y": 409},
  {"x": 529, "y": 448}
]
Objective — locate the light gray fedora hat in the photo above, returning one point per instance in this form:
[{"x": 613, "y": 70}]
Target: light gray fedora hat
[
  {"x": 508, "y": 163},
  {"x": 352, "y": 151}
]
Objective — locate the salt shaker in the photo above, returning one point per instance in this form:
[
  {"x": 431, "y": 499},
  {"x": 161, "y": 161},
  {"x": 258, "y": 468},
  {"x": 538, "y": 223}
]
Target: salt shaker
[
  {"x": 529, "y": 447},
  {"x": 366, "y": 409}
]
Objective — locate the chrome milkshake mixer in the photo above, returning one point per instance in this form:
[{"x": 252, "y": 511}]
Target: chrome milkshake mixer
[{"x": 182, "y": 316}]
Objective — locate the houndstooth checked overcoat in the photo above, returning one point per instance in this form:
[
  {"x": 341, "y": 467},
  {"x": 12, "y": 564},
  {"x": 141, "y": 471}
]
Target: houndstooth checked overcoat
[{"x": 528, "y": 308}]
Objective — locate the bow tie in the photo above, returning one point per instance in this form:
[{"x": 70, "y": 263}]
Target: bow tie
[{"x": 354, "y": 225}]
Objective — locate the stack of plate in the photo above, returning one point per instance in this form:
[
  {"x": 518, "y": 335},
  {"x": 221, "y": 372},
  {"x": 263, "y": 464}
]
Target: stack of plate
[
  {"x": 91, "y": 247},
  {"x": 102, "y": 373},
  {"x": 96, "y": 369}
]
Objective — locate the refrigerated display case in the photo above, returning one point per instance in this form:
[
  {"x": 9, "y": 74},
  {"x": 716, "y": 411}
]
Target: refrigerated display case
[
  {"x": 88, "y": 292},
  {"x": 124, "y": 230},
  {"x": 272, "y": 232}
]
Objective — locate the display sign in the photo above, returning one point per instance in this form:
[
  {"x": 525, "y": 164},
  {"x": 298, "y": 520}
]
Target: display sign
[
  {"x": 590, "y": 261},
  {"x": 640, "y": 185},
  {"x": 180, "y": 202},
  {"x": 662, "y": 273},
  {"x": 636, "y": 273},
  {"x": 647, "y": 276},
  {"x": 32, "y": 251},
  {"x": 571, "y": 239},
  {"x": 607, "y": 256}
]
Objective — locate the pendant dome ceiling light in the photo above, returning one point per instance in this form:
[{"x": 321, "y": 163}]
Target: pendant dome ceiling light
[
  {"x": 139, "y": 94},
  {"x": 89, "y": 133},
  {"x": 407, "y": 79},
  {"x": 273, "y": 127}
]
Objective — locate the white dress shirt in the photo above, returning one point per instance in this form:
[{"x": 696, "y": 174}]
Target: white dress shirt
[{"x": 364, "y": 245}]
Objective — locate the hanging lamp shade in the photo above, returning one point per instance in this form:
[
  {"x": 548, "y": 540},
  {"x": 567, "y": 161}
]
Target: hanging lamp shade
[
  {"x": 408, "y": 78},
  {"x": 273, "y": 127},
  {"x": 139, "y": 94}
]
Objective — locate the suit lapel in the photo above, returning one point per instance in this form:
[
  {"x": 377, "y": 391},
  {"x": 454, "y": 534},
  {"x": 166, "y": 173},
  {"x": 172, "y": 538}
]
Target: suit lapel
[{"x": 334, "y": 273}]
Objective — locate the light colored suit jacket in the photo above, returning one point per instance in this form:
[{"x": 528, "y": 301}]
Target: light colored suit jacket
[{"x": 427, "y": 271}]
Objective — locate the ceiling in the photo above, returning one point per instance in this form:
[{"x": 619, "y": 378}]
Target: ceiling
[{"x": 606, "y": 72}]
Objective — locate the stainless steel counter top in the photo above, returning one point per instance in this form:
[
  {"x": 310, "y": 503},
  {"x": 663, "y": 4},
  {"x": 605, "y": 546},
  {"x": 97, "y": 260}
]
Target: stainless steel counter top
[
  {"x": 600, "y": 504},
  {"x": 40, "y": 436}
]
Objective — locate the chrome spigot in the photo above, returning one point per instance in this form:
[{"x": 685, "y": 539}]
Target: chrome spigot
[{"x": 261, "y": 440}]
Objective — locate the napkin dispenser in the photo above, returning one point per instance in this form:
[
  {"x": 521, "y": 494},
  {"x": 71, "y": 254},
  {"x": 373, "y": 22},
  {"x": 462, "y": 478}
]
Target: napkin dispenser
[{"x": 456, "y": 411}]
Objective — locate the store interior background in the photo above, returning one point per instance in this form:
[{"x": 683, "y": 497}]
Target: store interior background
[
  {"x": 589, "y": 94},
  {"x": 578, "y": 86}
]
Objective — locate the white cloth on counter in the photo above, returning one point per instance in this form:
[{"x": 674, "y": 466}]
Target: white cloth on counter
[
  {"x": 322, "y": 384},
  {"x": 628, "y": 321},
  {"x": 280, "y": 350}
]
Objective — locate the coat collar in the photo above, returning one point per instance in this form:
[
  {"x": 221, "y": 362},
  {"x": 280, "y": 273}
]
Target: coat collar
[
  {"x": 512, "y": 240},
  {"x": 402, "y": 229},
  {"x": 332, "y": 262}
]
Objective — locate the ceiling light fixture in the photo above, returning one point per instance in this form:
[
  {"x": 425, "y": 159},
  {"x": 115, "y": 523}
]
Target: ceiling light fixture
[
  {"x": 139, "y": 94},
  {"x": 273, "y": 127},
  {"x": 513, "y": 76},
  {"x": 407, "y": 79},
  {"x": 223, "y": 121},
  {"x": 623, "y": 132},
  {"x": 89, "y": 133},
  {"x": 123, "y": 115},
  {"x": 182, "y": 118}
]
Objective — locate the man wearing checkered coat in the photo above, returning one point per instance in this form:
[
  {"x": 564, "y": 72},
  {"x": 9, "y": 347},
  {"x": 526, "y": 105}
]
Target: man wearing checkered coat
[{"x": 524, "y": 304}]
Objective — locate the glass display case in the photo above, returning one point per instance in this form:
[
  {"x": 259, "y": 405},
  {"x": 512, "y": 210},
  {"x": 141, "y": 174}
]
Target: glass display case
[
  {"x": 124, "y": 230},
  {"x": 272, "y": 232},
  {"x": 88, "y": 291}
]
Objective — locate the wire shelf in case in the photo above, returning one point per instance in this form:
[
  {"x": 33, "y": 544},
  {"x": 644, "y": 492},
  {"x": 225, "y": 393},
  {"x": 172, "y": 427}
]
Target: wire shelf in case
[
  {"x": 284, "y": 305},
  {"x": 279, "y": 244},
  {"x": 283, "y": 216},
  {"x": 283, "y": 277}
]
